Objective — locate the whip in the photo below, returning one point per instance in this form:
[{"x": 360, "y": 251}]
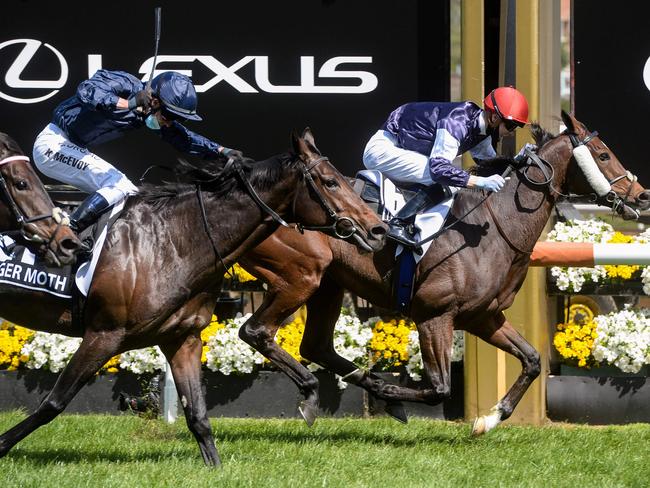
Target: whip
[{"x": 157, "y": 17}]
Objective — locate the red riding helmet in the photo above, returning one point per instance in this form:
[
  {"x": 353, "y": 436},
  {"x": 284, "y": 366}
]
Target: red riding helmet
[{"x": 508, "y": 103}]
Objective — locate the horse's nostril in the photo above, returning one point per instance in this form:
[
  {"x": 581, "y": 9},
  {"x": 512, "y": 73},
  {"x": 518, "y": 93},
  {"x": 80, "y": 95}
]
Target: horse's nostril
[
  {"x": 378, "y": 230},
  {"x": 69, "y": 244},
  {"x": 644, "y": 196}
]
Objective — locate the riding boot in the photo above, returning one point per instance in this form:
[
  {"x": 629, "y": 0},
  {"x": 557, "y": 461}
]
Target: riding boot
[
  {"x": 401, "y": 226},
  {"x": 88, "y": 212}
]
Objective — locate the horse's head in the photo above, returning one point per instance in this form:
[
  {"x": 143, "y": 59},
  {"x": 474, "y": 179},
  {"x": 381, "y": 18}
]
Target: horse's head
[
  {"x": 327, "y": 201},
  {"x": 25, "y": 206},
  {"x": 595, "y": 170}
]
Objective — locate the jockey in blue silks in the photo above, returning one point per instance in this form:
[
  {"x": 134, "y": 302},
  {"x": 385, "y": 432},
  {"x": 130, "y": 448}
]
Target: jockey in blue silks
[
  {"x": 105, "y": 107},
  {"x": 419, "y": 141}
]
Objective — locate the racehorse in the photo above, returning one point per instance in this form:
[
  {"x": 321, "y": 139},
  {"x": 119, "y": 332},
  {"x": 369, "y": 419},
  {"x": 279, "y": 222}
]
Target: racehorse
[
  {"x": 469, "y": 275},
  {"x": 162, "y": 265},
  {"x": 26, "y": 208}
]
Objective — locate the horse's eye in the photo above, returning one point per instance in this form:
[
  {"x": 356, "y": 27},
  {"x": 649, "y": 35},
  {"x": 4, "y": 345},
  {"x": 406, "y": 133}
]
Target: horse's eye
[
  {"x": 603, "y": 156},
  {"x": 331, "y": 183},
  {"x": 21, "y": 185}
]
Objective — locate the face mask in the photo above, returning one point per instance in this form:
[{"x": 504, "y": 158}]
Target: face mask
[{"x": 152, "y": 122}]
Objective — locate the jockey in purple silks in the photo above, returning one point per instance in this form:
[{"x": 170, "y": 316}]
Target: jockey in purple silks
[{"x": 419, "y": 141}]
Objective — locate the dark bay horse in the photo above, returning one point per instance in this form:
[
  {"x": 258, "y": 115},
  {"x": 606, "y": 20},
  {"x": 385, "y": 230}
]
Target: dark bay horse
[
  {"x": 26, "y": 209},
  {"x": 160, "y": 272},
  {"x": 469, "y": 275}
]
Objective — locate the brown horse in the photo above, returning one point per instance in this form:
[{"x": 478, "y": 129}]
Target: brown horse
[
  {"x": 468, "y": 277},
  {"x": 26, "y": 209},
  {"x": 162, "y": 265}
]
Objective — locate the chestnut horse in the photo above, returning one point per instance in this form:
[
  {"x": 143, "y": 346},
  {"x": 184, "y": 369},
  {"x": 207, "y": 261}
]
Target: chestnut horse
[
  {"x": 162, "y": 265},
  {"x": 467, "y": 278},
  {"x": 27, "y": 212}
]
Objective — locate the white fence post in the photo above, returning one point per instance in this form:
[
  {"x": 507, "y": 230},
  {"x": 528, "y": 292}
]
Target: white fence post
[{"x": 170, "y": 397}]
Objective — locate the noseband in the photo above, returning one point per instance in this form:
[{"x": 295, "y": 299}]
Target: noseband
[{"x": 57, "y": 214}]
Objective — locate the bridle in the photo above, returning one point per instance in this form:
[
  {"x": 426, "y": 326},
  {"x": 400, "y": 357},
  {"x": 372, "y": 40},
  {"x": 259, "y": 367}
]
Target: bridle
[
  {"x": 331, "y": 213},
  {"x": 59, "y": 216},
  {"x": 610, "y": 199},
  {"x": 234, "y": 169},
  {"x": 532, "y": 160}
]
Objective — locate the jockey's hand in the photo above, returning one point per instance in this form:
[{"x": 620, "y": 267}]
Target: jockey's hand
[
  {"x": 141, "y": 99},
  {"x": 232, "y": 153},
  {"x": 489, "y": 183},
  {"x": 521, "y": 155}
]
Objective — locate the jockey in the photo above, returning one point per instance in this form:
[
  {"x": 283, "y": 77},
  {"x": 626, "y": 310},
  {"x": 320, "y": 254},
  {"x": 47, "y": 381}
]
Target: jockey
[
  {"x": 419, "y": 141},
  {"x": 105, "y": 107}
]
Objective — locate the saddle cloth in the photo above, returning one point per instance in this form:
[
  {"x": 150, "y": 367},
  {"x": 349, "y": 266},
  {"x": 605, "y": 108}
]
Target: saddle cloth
[
  {"x": 22, "y": 268},
  {"x": 390, "y": 199}
]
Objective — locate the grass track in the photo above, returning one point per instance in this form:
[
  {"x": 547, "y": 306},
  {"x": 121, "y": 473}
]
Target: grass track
[{"x": 125, "y": 451}]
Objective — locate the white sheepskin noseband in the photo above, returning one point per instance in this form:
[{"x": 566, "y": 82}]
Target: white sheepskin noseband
[{"x": 594, "y": 176}]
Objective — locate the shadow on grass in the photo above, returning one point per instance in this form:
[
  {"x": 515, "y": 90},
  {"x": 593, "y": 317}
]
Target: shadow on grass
[
  {"x": 43, "y": 457},
  {"x": 189, "y": 449}
]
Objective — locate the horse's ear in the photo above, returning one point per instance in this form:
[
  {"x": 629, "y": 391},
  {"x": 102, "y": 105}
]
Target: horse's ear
[
  {"x": 308, "y": 136},
  {"x": 569, "y": 122},
  {"x": 295, "y": 142}
]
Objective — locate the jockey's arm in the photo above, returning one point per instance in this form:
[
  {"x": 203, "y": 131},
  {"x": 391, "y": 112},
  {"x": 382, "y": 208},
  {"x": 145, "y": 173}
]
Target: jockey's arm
[
  {"x": 108, "y": 90},
  {"x": 445, "y": 149},
  {"x": 190, "y": 142},
  {"x": 483, "y": 151}
]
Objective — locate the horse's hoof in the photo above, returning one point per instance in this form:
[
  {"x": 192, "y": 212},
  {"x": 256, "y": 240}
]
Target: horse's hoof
[
  {"x": 479, "y": 426},
  {"x": 397, "y": 411},
  {"x": 308, "y": 412}
]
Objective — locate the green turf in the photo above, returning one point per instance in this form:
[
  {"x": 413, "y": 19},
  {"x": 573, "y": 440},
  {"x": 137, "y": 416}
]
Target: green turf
[{"x": 95, "y": 451}]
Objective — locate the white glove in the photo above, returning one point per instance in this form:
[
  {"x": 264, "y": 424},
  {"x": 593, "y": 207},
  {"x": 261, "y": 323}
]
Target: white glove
[
  {"x": 521, "y": 154},
  {"x": 490, "y": 183}
]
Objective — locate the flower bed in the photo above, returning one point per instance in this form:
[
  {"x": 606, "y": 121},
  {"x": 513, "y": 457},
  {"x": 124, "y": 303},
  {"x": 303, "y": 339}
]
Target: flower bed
[
  {"x": 604, "y": 376},
  {"x": 230, "y": 364}
]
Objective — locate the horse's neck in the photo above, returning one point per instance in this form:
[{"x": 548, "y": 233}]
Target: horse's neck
[
  {"x": 237, "y": 223},
  {"x": 526, "y": 209}
]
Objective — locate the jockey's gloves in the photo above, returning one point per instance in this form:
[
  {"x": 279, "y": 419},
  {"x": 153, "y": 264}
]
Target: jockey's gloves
[{"x": 489, "y": 183}]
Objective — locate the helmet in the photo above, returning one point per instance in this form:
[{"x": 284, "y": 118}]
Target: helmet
[
  {"x": 508, "y": 103},
  {"x": 176, "y": 94}
]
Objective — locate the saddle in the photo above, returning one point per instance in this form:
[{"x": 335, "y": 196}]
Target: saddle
[{"x": 386, "y": 198}]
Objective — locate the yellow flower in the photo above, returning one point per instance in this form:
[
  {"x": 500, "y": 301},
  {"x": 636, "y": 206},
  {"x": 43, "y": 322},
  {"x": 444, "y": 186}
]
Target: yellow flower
[
  {"x": 239, "y": 273},
  {"x": 389, "y": 342}
]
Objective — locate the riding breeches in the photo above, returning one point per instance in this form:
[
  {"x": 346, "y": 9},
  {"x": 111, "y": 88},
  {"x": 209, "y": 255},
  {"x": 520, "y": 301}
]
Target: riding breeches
[
  {"x": 400, "y": 165},
  {"x": 59, "y": 158}
]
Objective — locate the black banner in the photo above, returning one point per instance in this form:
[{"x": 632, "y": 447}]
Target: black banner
[
  {"x": 261, "y": 68},
  {"x": 612, "y": 77}
]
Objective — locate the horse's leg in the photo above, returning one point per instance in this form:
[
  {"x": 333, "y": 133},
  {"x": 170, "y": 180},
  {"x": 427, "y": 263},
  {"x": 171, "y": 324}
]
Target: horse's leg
[
  {"x": 500, "y": 333},
  {"x": 259, "y": 332},
  {"x": 318, "y": 346},
  {"x": 185, "y": 360},
  {"x": 95, "y": 350}
]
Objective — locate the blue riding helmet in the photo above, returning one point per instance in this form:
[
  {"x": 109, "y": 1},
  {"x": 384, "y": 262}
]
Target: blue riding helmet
[{"x": 176, "y": 93}]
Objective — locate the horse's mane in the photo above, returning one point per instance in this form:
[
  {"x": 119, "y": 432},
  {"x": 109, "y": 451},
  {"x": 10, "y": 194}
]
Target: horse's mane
[
  {"x": 214, "y": 176},
  {"x": 499, "y": 164},
  {"x": 10, "y": 143}
]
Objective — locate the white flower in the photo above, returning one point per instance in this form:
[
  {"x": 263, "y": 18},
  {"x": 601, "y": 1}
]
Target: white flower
[
  {"x": 227, "y": 353},
  {"x": 415, "y": 367},
  {"x": 147, "y": 360},
  {"x": 50, "y": 351},
  {"x": 623, "y": 339}
]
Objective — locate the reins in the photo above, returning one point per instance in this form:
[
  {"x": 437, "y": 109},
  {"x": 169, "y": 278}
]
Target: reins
[{"x": 233, "y": 169}]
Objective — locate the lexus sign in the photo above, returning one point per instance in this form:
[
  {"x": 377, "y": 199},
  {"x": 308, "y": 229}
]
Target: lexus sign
[{"x": 338, "y": 67}]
